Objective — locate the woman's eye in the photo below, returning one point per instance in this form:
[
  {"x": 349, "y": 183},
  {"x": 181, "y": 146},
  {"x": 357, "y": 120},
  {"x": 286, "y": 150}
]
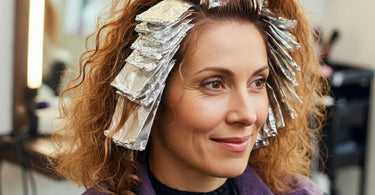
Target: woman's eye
[
  {"x": 258, "y": 84},
  {"x": 213, "y": 85}
]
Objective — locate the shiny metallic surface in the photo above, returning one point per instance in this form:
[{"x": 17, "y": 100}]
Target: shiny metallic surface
[
  {"x": 164, "y": 13},
  {"x": 142, "y": 79},
  {"x": 276, "y": 108},
  {"x": 214, "y": 3},
  {"x": 136, "y": 130},
  {"x": 281, "y": 42}
]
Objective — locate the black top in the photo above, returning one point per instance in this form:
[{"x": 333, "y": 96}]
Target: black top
[{"x": 161, "y": 189}]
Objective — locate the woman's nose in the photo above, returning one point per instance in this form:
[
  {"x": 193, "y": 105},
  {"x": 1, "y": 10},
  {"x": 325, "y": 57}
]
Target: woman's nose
[{"x": 241, "y": 110}]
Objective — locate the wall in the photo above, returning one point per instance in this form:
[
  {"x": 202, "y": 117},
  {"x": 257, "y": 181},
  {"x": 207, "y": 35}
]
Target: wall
[
  {"x": 6, "y": 62},
  {"x": 315, "y": 11},
  {"x": 354, "y": 20}
]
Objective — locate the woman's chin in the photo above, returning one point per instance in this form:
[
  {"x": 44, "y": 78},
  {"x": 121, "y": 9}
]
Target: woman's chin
[{"x": 229, "y": 171}]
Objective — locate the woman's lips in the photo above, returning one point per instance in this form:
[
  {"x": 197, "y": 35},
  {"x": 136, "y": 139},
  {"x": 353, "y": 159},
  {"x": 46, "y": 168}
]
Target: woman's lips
[{"x": 234, "y": 144}]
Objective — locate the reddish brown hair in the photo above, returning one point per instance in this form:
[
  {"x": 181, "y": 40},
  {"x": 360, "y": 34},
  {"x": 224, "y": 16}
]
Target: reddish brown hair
[{"x": 88, "y": 157}]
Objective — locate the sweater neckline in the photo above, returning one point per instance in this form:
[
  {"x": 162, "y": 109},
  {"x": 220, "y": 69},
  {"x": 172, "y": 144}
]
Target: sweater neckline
[{"x": 160, "y": 188}]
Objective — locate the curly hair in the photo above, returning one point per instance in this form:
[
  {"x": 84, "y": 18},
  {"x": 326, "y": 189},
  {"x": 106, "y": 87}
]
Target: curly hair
[{"x": 86, "y": 156}]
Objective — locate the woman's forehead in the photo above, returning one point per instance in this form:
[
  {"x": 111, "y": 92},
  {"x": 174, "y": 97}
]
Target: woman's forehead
[{"x": 228, "y": 44}]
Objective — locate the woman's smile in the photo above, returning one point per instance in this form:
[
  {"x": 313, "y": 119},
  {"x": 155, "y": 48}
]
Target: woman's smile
[{"x": 233, "y": 144}]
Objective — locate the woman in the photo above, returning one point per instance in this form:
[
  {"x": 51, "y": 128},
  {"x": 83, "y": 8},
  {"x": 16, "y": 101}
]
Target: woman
[{"x": 209, "y": 97}]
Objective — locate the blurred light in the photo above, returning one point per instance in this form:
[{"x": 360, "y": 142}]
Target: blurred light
[{"x": 35, "y": 45}]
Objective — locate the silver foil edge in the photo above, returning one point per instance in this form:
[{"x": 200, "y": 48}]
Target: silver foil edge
[{"x": 165, "y": 12}]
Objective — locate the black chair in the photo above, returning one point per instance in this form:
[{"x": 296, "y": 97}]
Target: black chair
[{"x": 347, "y": 125}]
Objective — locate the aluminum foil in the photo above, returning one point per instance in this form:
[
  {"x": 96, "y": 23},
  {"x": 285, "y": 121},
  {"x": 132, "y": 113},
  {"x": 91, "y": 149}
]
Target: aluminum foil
[
  {"x": 284, "y": 67},
  {"x": 150, "y": 53},
  {"x": 279, "y": 118},
  {"x": 280, "y": 42},
  {"x": 218, "y": 3},
  {"x": 261, "y": 142},
  {"x": 136, "y": 130},
  {"x": 214, "y": 3},
  {"x": 165, "y": 12},
  {"x": 142, "y": 79},
  {"x": 261, "y": 4},
  {"x": 268, "y": 130},
  {"x": 164, "y": 34},
  {"x": 140, "y": 86}
]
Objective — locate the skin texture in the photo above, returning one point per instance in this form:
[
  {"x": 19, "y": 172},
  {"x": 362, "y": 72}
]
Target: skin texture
[{"x": 221, "y": 94}]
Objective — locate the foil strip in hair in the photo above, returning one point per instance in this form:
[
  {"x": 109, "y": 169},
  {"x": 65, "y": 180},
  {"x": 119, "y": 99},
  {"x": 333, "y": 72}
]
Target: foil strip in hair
[
  {"x": 261, "y": 4},
  {"x": 284, "y": 37},
  {"x": 214, "y": 3},
  {"x": 165, "y": 12},
  {"x": 294, "y": 94},
  {"x": 271, "y": 131},
  {"x": 255, "y": 5},
  {"x": 279, "y": 118},
  {"x": 151, "y": 52},
  {"x": 142, "y": 79},
  {"x": 280, "y": 22},
  {"x": 218, "y": 3},
  {"x": 136, "y": 130},
  {"x": 268, "y": 130},
  {"x": 261, "y": 142},
  {"x": 289, "y": 109},
  {"x": 147, "y": 63},
  {"x": 161, "y": 35},
  {"x": 280, "y": 39},
  {"x": 283, "y": 53},
  {"x": 139, "y": 85},
  {"x": 288, "y": 73},
  {"x": 279, "y": 86}
]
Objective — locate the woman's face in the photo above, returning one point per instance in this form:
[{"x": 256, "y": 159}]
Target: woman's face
[{"x": 210, "y": 117}]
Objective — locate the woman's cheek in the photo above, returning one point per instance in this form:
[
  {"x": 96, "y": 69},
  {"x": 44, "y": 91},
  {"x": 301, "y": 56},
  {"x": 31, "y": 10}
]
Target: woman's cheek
[
  {"x": 262, "y": 108},
  {"x": 202, "y": 112}
]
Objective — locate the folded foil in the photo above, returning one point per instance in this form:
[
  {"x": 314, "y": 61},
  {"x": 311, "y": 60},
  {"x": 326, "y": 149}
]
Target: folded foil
[
  {"x": 165, "y": 12},
  {"x": 268, "y": 130},
  {"x": 280, "y": 42},
  {"x": 142, "y": 79},
  {"x": 136, "y": 130},
  {"x": 275, "y": 105},
  {"x": 214, "y": 3}
]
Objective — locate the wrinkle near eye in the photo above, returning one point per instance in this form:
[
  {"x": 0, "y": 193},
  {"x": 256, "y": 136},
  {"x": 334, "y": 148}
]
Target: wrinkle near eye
[{"x": 192, "y": 85}]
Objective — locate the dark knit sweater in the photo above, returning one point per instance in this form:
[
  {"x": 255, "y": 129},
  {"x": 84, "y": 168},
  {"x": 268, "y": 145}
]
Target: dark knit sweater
[{"x": 246, "y": 184}]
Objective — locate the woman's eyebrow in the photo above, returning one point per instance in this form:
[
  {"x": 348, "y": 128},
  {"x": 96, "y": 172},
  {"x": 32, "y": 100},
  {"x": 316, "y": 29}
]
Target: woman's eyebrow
[
  {"x": 263, "y": 68},
  {"x": 217, "y": 69}
]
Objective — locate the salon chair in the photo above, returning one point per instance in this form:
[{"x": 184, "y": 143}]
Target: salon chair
[{"x": 347, "y": 123}]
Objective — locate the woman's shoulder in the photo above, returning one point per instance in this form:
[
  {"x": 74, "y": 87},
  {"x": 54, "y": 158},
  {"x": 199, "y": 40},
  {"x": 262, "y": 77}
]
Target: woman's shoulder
[
  {"x": 251, "y": 183},
  {"x": 306, "y": 187}
]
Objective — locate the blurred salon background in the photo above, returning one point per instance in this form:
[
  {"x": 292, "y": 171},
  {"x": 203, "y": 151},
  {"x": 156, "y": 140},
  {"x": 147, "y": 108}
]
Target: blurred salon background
[{"x": 40, "y": 39}]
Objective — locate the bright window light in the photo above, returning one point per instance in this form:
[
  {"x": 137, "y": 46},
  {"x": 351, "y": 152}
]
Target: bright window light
[{"x": 35, "y": 45}]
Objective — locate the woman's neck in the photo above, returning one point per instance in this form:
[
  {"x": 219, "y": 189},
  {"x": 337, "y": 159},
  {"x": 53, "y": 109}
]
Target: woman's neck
[{"x": 180, "y": 176}]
